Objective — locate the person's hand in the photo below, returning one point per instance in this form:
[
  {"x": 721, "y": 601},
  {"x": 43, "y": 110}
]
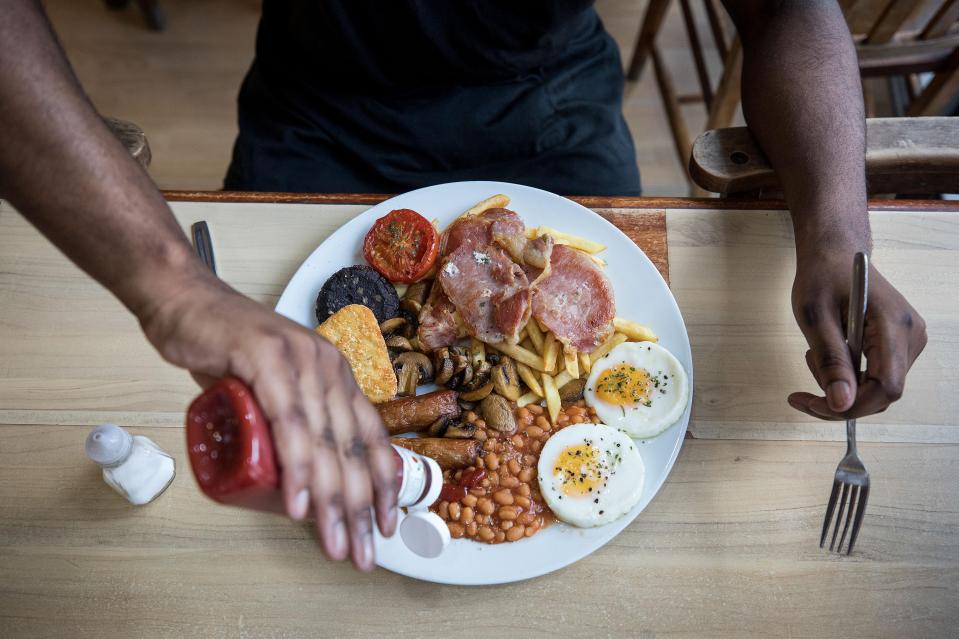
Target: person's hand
[
  {"x": 893, "y": 337},
  {"x": 330, "y": 440}
]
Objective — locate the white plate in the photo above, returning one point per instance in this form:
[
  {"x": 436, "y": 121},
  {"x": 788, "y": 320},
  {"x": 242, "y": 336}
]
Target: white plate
[{"x": 641, "y": 295}]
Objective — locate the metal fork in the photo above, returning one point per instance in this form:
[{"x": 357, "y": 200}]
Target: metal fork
[
  {"x": 851, "y": 475},
  {"x": 203, "y": 244}
]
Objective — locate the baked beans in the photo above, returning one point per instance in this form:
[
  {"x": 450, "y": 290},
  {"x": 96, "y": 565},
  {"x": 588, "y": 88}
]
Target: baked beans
[{"x": 506, "y": 505}]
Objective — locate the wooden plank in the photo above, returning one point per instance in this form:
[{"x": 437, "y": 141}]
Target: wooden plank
[
  {"x": 727, "y": 549},
  {"x": 648, "y": 231},
  {"x": 732, "y": 272},
  {"x": 589, "y": 201}
]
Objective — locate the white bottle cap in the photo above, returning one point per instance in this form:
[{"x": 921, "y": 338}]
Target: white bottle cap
[
  {"x": 425, "y": 533},
  {"x": 108, "y": 444}
]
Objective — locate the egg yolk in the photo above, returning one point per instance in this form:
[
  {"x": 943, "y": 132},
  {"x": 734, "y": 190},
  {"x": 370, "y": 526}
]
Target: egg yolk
[
  {"x": 623, "y": 384},
  {"x": 580, "y": 469}
]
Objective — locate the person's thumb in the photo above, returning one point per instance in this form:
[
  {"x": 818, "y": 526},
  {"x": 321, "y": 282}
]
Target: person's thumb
[{"x": 830, "y": 356}]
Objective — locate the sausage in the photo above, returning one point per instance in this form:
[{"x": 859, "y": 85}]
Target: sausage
[
  {"x": 448, "y": 453},
  {"x": 415, "y": 414}
]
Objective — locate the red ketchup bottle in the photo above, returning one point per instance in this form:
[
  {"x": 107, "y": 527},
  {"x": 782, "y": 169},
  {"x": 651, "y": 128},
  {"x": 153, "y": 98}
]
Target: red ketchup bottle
[{"x": 230, "y": 445}]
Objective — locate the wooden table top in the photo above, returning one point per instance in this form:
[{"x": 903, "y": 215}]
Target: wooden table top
[{"x": 726, "y": 549}]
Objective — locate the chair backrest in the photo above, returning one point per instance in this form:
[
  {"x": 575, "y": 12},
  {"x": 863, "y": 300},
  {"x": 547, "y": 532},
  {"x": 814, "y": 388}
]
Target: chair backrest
[
  {"x": 903, "y": 155},
  {"x": 903, "y": 36}
]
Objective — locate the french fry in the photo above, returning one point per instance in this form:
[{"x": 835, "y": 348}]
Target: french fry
[
  {"x": 496, "y": 202},
  {"x": 600, "y": 262},
  {"x": 521, "y": 355},
  {"x": 553, "y": 403},
  {"x": 535, "y": 335},
  {"x": 542, "y": 327},
  {"x": 529, "y": 378},
  {"x": 527, "y": 399},
  {"x": 584, "y": 363},
  {"x": 528, "y": 345},
  {"x": 573, "y": 241},
  {"x": 477, "y": 351},
  {"x": 562, "y": 379},
  {"x": 571, "y": 362},
  {"x": 614, "y": 340},
  {"x": 635, "y": 331},
  {"x": 550, "y": 350}
]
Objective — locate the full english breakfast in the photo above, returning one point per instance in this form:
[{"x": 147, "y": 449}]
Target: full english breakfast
[{"x": 541, "y": 387}]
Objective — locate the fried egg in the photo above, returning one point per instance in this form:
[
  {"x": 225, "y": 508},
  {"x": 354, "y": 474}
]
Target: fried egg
[
  {"x": 590, "y": 474},
  {"x": 639, "y": 388}
]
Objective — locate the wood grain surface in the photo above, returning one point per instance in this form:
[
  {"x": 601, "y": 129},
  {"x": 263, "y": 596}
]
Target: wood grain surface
[
  {"x": 726, "y": 549},
  {"x": 732, "y": 272}
]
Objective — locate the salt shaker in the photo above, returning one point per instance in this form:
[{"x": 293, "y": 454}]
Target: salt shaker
[{"x": 132, "y": 465}]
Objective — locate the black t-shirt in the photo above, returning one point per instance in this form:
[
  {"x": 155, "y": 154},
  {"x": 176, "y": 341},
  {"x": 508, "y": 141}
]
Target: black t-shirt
[
  {"x": 386, "y": 96},
  {"x": 382, "y": 45}
]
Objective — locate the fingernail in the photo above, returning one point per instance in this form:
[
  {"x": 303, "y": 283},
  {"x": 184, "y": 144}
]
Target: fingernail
[
  {"x": 839, "y": 395},
  {"x": 301, "y": 503}
]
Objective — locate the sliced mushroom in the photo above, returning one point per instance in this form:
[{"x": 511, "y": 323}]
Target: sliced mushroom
[
  {"x": 392, "y": 326},
  {"x": 443, "y": 364},
  {"x": 411, "y": 306},
  {"x": 441, "y": 425},
  {"x": 417, "y": 292},
  {"x": 481, "y": 377},
  {"x": 412, "y": 369},
  {"x": 572, "y": 391},
  {"x": 464, "y": 404},
  {"x": 412, "y": 322},
  {"x": 477, "y": 394},
  {"x": 462, "y": 369},
  {"x": 399, "y": 343},
  {"x": 498, "y": 413},
  {"x": 461, "y": 431},
  {"x": 461, "y": 378},
  {"x": 505, "y": 379}
]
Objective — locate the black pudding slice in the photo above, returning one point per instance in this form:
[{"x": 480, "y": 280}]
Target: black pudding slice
[{"x": 357, "y": 285}]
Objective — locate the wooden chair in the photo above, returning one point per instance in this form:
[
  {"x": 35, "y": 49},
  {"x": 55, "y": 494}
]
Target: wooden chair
[
  {"x": 903, "y": 156},
  {"x": 720, "y": 103},
  {"x": 898, "y": 41},
  {"x": 895, "y": 39},
  {"x": 133, "y": 138}
]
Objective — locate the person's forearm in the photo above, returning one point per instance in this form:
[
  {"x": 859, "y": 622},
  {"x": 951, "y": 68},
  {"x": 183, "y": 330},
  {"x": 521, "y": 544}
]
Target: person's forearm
[
  {"x": 802, "y": 100},
  {"x": 65, "y": 172}
]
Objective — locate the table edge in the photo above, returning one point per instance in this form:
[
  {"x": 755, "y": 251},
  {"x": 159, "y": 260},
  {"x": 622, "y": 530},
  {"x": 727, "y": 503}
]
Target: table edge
[{"x": 590, "y": 201}]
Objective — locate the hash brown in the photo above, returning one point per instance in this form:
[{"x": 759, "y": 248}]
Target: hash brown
[{"x": 354, "y": 331}]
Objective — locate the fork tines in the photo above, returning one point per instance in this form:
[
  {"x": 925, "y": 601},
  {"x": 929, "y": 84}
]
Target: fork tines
[{"x": 853, "y": 495}]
